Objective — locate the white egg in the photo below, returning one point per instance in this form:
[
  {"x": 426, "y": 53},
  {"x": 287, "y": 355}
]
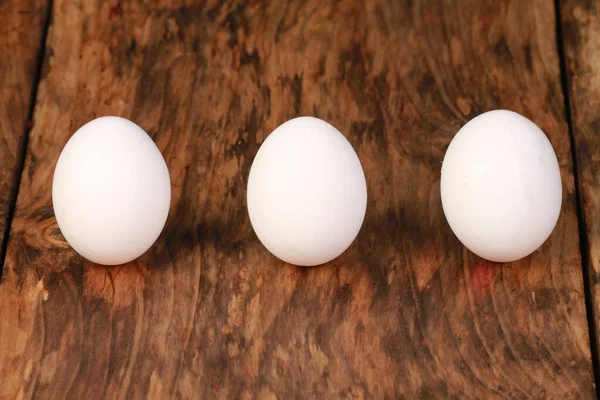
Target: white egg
[
  {"x": 307, "y": 193},
  {"x": 500, "y": 186},
  {"x": 111, "y": 191}
]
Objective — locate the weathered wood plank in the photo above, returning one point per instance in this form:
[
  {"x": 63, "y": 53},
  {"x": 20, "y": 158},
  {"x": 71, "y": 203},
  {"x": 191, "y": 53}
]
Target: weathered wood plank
[
  {"x": 406, "y": 312},
  {"x": 21, "y": 34},
  {"x": 581, "y": 41}
]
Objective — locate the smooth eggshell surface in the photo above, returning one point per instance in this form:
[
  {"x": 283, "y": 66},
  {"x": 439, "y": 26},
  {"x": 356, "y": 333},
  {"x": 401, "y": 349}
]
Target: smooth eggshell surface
[
  {"x": 307, "y": 193},
  {"x": 500, "y": 186},
  {"x": 111, "y": 191}
]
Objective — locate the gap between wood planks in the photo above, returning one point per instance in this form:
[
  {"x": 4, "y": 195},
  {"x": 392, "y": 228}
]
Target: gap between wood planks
[
  {"x": 12, "y": 201},
  {"x": 581, "y": 223}
]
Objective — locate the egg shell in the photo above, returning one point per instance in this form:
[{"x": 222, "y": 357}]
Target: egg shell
[
  {"x": 307, "y": 193},
  {"x": 501, "y": 188},
  {"x": 111, "y": 191}
]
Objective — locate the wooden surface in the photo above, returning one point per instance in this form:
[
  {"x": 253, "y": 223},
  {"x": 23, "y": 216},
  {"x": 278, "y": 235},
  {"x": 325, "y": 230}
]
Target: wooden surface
[
  {"x": 21, "y": 30},
  {"x": 581, "y": 26},
  {"x": 406, "y": 312}
]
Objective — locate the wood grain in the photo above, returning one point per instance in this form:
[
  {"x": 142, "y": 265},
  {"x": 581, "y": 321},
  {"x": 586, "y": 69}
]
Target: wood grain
[
  {"x": 581, "y": 27},
  {"x": 21, "y": 32},
  {"x": 406, "y": 312}
]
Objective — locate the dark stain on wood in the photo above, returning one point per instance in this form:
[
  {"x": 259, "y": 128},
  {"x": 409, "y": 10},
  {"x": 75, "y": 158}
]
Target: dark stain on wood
[
  {"x": 528, "y": 59},
  {"x": 115, "y": 11}
]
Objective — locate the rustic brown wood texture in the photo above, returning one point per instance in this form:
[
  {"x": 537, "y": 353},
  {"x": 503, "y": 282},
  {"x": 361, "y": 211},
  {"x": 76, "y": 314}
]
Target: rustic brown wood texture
[
  {"x": 581, "y": 28},
  {"x": 406, "y": 312},
  {"x": 22, "y": 24}
]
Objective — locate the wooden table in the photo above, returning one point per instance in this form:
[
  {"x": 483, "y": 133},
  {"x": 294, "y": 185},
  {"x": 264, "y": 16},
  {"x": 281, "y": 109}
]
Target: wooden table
[{"x": 406, "y": 312}]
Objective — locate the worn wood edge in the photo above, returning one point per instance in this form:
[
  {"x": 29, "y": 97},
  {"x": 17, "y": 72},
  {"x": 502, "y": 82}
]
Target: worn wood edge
[
  {"x": 568, "y": 49},
  {"x": 27, "y": 124}
]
